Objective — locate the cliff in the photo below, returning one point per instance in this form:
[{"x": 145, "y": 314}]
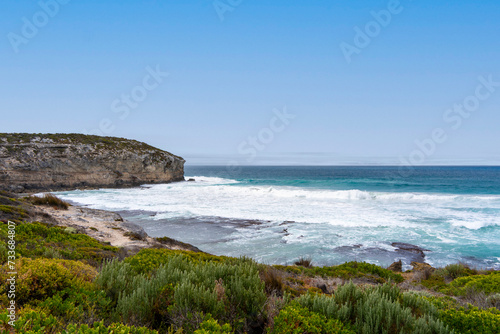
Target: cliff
[{"x": 50, "y": 162}]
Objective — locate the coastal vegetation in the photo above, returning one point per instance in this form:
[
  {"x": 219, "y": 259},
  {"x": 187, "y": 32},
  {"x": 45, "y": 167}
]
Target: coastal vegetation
[
  {"x": 16, "y": 141},
  {"x": 68, "y": 282},
  {"x": 50, "y": 200}
]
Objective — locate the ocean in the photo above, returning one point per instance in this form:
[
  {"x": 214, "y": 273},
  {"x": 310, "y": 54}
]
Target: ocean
[{"x": 331, "y": 215}]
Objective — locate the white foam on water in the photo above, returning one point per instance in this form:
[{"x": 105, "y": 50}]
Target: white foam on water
[
  {"x": 218, "y": 197},
  {"x": 322, "y": 218}
]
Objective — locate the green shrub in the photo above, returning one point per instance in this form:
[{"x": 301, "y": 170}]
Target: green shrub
[
  {"x": 468, "y": 319},
  {"x": 116, "y": 277},
  {"x": 466, "y": 284},
  {"x": 78, "y": 305},
  {"x": 458, "y": 270},
  {"x": 489, "y": 283},
  {"x": 136, "y": 306},
  {"x": 229, "y": 290},
  {"x": 42, "y": 278},
  {"x": 382, "y": 309},
  {"x": 3, "y": 252},
  {"x": 472, "y": 320},
  {"x": 13, "y": 212},
  {"x": 231, "y": 293},
  {"x": 348, "y": 270},
  {"x": 151, "y": 258},
  {"x": 40, "y": 240},
  {"x": 211, "y": 326},
  {"x": 100, "y": 328},
  {"x": 296, "y": 319},
  {"x": 434, "y": 282},
  {"x": 161, "y": 306},
  {"x": 30, "y": 321}
]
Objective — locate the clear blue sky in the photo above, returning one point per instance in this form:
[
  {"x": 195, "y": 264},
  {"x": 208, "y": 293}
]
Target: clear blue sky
[{"x": 226, "y": 76}]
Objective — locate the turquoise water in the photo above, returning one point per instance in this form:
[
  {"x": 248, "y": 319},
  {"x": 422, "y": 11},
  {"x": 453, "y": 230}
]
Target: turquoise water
[
  {"x": 453, "y": 180},
  {"x": 331, "y": 214}
]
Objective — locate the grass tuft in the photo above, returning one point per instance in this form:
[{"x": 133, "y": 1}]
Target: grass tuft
[
  {"x": 304, "y": 262},
  {"x": 454, "y": 271},
  {"x": 273, "y": 281},
  {"x": 50, "y": 200}
]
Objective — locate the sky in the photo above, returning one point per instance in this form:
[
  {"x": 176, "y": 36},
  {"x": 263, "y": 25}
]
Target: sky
[{"x": 260, "y": 82}]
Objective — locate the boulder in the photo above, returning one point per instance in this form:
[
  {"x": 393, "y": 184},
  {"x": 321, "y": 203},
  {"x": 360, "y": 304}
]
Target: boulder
[{"x": 396, "y": 266}]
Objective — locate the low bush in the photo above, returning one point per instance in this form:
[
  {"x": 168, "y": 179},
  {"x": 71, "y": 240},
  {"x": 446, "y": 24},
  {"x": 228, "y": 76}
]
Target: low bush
[
  {"x": 42, "y": 278},
  {"x": 467, "y": 283},
  {"x": 100, "y": 328},
  {"x": 454, "y": 271},
  {"x": 382, "y": 309},
  {"x": 116, "y": 277},
  {"x": 472, "y": 320},
  {"x": 161, "y": 305},
  {"x": 39, "y": 321},
  {"x": 12, "y": 212},
  {"x": 151, "y": 258},
  {"x": 231, "y": 292},
  {"x": 296, "y": 319},
  {"x": 36, "y": 240},
  {"x": 30, "y": 321},
  {"x": 211, "y": 326},
  {"x": 434, "y": 282},
  {"x": 81, "y": 306},
  {"x": 489, "y": 283},
  {"x": 466, "y": 320},
  {"x": 348, "y": 270}
]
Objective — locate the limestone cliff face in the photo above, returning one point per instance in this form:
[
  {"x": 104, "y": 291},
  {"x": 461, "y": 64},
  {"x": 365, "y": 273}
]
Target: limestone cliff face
[{"x": 44, "y": 162}]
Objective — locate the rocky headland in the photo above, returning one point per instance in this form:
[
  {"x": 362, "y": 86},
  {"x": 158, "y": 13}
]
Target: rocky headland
[{"x": 54, "y": 162}]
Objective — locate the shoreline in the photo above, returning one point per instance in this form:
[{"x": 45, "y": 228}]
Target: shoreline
[
  {"x": 110, "y": 228},
  {"x": 53, "y": 189}
]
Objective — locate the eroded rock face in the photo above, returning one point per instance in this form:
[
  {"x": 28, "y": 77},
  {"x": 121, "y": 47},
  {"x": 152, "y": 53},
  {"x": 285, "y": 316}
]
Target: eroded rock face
[{"x": 50, "y": 162}]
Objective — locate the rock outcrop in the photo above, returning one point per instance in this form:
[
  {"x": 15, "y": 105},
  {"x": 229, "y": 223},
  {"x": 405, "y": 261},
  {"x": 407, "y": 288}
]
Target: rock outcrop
[
  {"x": 50, "y": 162},
  {"x": 415, "y": 253},
  {"x": 396, "y": 266}
]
